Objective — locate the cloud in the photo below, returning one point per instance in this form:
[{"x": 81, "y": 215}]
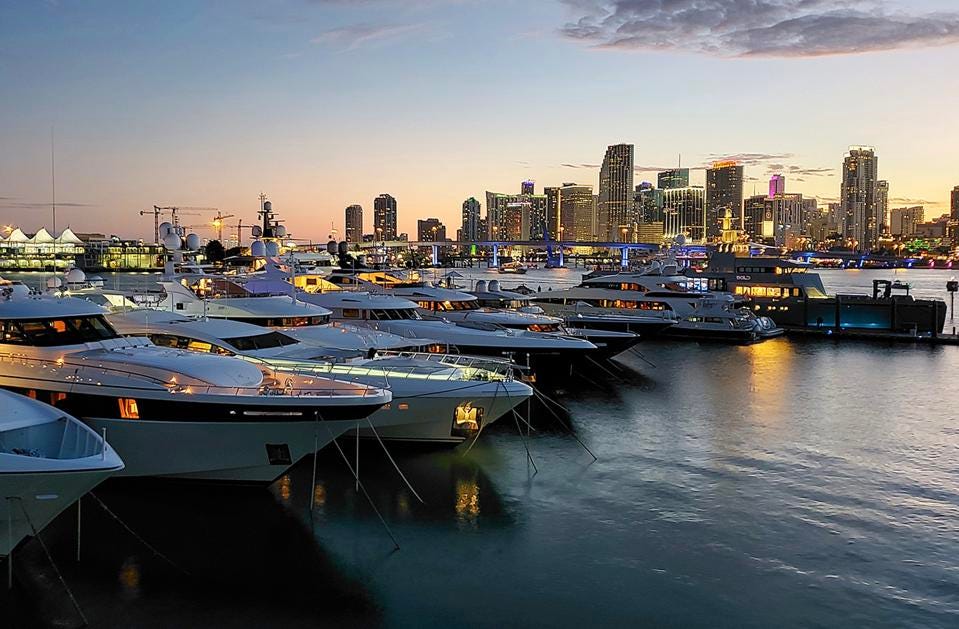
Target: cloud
[
  {"x": 580, "y": 165},
  {"x": 907, "y": 201},
  {"x": 13, "y": 203},
  {"x": 749, "y": 159},
  {"x": 357, "y": 35},
  {"x": 756, "y": 28}
]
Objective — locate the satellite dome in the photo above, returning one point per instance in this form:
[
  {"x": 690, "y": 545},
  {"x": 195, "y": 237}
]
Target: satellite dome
[
  {"x": 280, "y": 231},
  {"x": 54, "y": 282},
  {"x": 165, "y": 228},
  {"x": 494, "y": 286},
  {"x": 481, "y": 286},
  {"x": 268, "y": 206},
  {"x": 172, "y": 241},
  {"x": 272, "y": 249},
  {"x": 331, "y": 247},
  {"x": 680, "y": 239},
  {"x": 76, "y": 276},
  {"x": 257, "y": 231},
  {"x": 192, "y": 242},
  {"x": 258, "y": 249}
]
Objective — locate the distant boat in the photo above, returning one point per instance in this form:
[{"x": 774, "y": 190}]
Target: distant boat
[{"x": 516, "y": 268}]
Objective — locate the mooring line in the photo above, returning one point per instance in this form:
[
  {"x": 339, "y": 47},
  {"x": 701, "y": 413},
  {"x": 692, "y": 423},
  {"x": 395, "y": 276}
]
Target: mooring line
[
  {"x": 568, "y": 428},
  {"x": 53, "y": 565},
  {"x": 395, "y": 466}
]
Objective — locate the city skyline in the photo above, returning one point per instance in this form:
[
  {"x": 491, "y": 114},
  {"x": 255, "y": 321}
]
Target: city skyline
[{"x": 207, "y": 105}]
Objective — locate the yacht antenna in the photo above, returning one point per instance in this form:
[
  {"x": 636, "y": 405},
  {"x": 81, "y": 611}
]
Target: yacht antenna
[{"x": 53, "y": 177}]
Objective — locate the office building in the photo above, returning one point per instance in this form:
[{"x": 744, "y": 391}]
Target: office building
[
  {"x": 384, "y": 217},
  {"x": 471, "y": 225},
  {"x": 882, "y": 207},
  {"x": 674, "y": 178},
  {"x": 528, "y": 187},
  {"x": 954, "y": 203},
  {"x": 615, "y": 193},
  {"x": 758, "y": 222},
  {"x": 777, "y": 185},
  {"x": 576, "y": 212},
  {"x": 516, "y": 216},
  {"x": 904, "y": 221},
  {"x": 724, "y": 192},
  {"x": 354, "y": 224},
  {"x": 859, "y": 198},
  {"x": 552, "y": 211},
  {"x": 430, "y": 230},
  {"x": 684, "y": 213}
]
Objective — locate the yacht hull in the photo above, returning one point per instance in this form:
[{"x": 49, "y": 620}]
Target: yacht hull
[
  {"x": 43, "y": 495},
  {"x": 432, "y": 418},
  {"x": 249, "y": 452},
  {"x": 719, "y": 336}
]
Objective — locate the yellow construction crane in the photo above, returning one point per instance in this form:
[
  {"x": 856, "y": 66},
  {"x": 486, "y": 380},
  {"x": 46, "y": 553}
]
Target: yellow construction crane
[
  {"x": 218, "y": 223},
  {"x": 173, "y": 211}
]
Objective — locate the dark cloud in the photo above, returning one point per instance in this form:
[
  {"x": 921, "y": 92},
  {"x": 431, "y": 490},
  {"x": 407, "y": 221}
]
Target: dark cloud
[
  {"x": 907, "y": 201},
  {"x": 749, "y": 159},
  {"x": 756, "y": 28},
  {"x": 13, "y": 203}
]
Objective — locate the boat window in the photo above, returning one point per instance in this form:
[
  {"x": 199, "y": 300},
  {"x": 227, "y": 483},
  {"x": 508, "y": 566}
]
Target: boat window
[
  {"x": 352, "y": 313},
  {"x": 261, "y": 341},
  {"x": 52, "y": 332}
]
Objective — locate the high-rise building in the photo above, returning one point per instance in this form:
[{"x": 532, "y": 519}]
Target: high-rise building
[
  {"x": 861, "y": 217},
  {"x": 384, "y": 217},
  {"x": 471, "y": 220},
  {"x": 430, "y": 230},
  {"x": 777, "y": 185},
  {"x": 516, "y": 216},
  {"x": 673, "y": 178},
  {"x": 552, "y": 210},
  {"x": 576, "y": 209},
  {"x": 882, "y": 206},
  {"x": 724, "y": 191},
  {"x": 615, "y": 192},
  {"x": 954, "y": 203},
  {"x": 758, "y": 220},
  {"x": 684, "y": 212},
  {"x": 528, "y": 187},
  {"x": 904, "y": 220},
  {"x": 354, "y": 223},
  {"x": 647, "y": 204}
]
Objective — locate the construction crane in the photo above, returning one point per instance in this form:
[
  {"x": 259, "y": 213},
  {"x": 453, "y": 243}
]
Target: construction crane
[
  {"x": 173, "y": 211},
  {"x": 218, "y": 223}
]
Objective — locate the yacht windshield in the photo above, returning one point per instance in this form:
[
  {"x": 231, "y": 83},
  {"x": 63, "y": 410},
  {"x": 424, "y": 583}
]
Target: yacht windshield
[
  {"x": 285, "y": 322},
  {"x": 261, "y": 341},
  {"x": 53, "y": 332},
  {"x": 394, "y": 314}
]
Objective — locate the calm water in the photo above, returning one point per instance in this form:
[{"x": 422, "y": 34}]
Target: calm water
[{"x": 791, "y": 484}]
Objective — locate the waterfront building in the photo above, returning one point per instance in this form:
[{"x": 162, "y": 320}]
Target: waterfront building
[
  {"x": 937, "y": 229},
  {"x": 384, "y": 217},
  {"x": 724, "y": 191},
  {"x": 904, "y": 221},
  {"x": 954, "y": 203},
  {"x": 684, "y": 213},
  {"x": 96, "y": 252},
  {"x": 758, "y": 223},
  {"x": 615, "y": 192},
  {"x": 858, "y": 197},
  {"x": 553, "y": 218},
  {"x": 647, "y": 204},
  {"x": 777, "y": 185},
  {"x": 354, "y": 223},
  {"x": 516, "y": 216},
  {"x": 430, "y": 230},
  {"x": 576, "y": 210},
  {"x": 471, "y": 220},
  {"x": 673, "y": 178},
  {"x": 882, "y": 206}
]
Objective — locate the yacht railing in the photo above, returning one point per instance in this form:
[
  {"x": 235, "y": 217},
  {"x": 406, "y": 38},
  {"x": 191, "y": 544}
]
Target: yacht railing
[{"x": 328, "y": 387}]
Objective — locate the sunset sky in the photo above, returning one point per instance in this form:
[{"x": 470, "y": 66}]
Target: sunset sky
[{"x": 324, "y": 103}]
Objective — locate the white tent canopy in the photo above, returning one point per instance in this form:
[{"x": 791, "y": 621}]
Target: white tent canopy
[
  {"x": 18, "y": 236},
  {"x": 42, "y": 237},
  {"x": 67, "y": 237}
]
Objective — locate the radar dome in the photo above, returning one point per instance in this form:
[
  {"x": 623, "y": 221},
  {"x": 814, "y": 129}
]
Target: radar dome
[
  {"x": 257, "y": 231},
  {"x": 258, "y": 249},
  {"x": 680, "y": 239},
  {"x": 192, "y": 242},
  {"x": 272, "y": 249},
  {"x": 280, "y": 231},
  {"x": 76, "y": 276},
  {"x": 54, "y": 282},
  {"x": 331, "y": 247},
  {"x": 268, "y": 206},
  {"x": 481, "y": 286},
  {"x": 171, "y": 241},
  {"x": 343, "y": 247},
  {"x": 165, "y": 228}
]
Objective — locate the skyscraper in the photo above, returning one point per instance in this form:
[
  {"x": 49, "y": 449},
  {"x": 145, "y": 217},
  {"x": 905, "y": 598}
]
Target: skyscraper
[
  {"x": 354, "y": 223},
  {"x": 552, "y": 210},
  {"x": 758, "y": 218},
  {"x": 903, "y": 220},
  {"x": 777, "y": 185},
  {"x": 684, "y": 212},
  {"x": 516, "y": 216},
  {"x": 858, "y": 197},
  {"x": 528, "y": 187},
  {"x": 882, "y": 206},
  {"x": 575, "y": 213},
  {"x": 384, "y": 217},
  {"x": 471, "y": 220},
  {"x": 954, "y": 203},
  {"x": 615, "y": 192},
  {"x": 675, "y": 178},
  {"x": 724, "y": 191}
]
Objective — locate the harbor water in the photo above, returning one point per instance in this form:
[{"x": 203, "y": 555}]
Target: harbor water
[{"x": 791, "y": 483}]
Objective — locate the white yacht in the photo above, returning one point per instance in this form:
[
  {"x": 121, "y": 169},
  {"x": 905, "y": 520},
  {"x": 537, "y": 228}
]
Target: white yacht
[
  {"x": 657, "y": 290},
  {"x": 170, "y": 412},
  {"x": 435, "y": 399},
  {"x": 47, "y": 461}
]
